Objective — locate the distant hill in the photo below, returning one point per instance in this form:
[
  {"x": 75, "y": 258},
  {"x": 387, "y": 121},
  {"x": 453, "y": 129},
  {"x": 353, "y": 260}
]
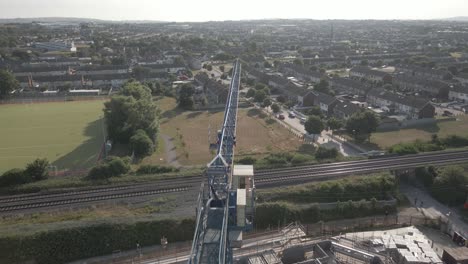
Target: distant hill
[
  {"x": 459, "y": 18},
  {"x": 70, "y": 20}
]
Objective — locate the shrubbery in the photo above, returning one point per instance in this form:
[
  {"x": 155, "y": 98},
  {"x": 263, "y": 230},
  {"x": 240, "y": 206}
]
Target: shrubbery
[
  {"x": 66, "y": 245},
  {"x": 111, "y": 167},
  {"x": 274, "y": 213},
  {"x": 326, "y": 153},
  {"x": 141, "y": 144},
  {"x": 435, "y": 144},
  {"x": 375, "y": 186},
  {"x": 35, "y": 171},
  {"x": 155, "y": 169}
]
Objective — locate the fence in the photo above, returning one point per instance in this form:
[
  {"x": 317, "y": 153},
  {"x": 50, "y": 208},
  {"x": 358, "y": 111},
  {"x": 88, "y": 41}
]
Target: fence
[{"x": 50, "y": 99}]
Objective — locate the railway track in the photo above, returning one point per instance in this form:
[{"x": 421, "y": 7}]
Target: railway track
[
  {"x": 297, "y": 175},
  {"x": 39, "y": 200},
  {"x": 263, "y": 179}
]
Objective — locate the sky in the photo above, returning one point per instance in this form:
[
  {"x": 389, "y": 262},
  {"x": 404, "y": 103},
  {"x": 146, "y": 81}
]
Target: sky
[{"x": 210, "y": 10}]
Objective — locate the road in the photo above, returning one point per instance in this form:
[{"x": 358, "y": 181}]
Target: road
[
  {"x": 432, "y": 208},
  {"x": 324, "y": 138}
]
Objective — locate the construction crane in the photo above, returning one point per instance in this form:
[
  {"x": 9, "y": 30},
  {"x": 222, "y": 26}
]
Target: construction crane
[{"x": 225, "y": 204}]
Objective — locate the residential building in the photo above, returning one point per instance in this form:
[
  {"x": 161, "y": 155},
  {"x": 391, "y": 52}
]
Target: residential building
[
  {"x": 345, "y": 109},
  {"x": 392, "y": 103},
  {"x": 314, "y": 98},
  {"x": 56, "y": 46},
  {"x": 416, "y": 84},
  {"x": 367, "y": 73},
  {"x": 459, "y": 93},
  {"x": 348, "y": 85}
]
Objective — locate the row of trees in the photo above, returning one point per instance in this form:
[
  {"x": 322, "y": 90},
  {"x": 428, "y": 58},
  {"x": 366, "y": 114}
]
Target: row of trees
[
  {"x": 132, "y": 118},
  {"x": 360, "y": 125}
]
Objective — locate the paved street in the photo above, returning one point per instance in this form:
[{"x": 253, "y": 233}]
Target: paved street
[
  {"x": 324, "y": 138},
  {"x": 432, "y": 208}
]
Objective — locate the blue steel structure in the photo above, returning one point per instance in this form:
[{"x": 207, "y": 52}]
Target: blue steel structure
[{"x": 217, "y": 202}]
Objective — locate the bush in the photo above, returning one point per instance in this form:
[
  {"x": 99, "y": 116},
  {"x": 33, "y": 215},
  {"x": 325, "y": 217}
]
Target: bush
[
  {"x": 379, "y": 186},
  {"x": 154, "y": 169},
  {"x": 112, "y": 166},
  {"x": 454, "y": 141},
  {"x": 38, "y": 169},
  {"x": 141, "y": 144},
  {"x": 282, "y": 213},
  {"x": 14, "y": 177},
  {"x": 65, "y": 245},
  {"x": 298, "y": 159},
  {"x": 325, "y": 153}
]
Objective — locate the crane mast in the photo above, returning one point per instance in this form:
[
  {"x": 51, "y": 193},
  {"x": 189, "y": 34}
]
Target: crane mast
[{"x": 221, "y": 213}]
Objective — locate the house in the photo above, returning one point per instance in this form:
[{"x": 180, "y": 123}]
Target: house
[
  {"x": 421, "y": 72},
  {"x": 348, "y": 85},
  {"x": 459, "y": 93},
  {"x": 462, "y": 78},
  {"x": 412, "y": 107},
  {"x": 56, "y": 46},
  {"x": 345, "y": 109},
  {"x": 367, "y": 73},
  {"x": 300, "y": 72},
  {"x": 416, "y": 84},
  {"x": 324, "y": 101}
]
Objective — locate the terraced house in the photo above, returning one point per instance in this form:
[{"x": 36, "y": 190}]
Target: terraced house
[{"x": 393, "y": 103}]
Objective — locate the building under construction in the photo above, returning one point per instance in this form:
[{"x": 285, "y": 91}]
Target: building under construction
[{"x": 398, "y": 246}]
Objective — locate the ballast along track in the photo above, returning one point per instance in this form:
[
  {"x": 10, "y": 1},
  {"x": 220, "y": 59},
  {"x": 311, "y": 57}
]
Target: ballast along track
[
  {"x": 31, "y": 201},
  {"x": 297, "y": 175},
  {"x": 263, "y": 179}
]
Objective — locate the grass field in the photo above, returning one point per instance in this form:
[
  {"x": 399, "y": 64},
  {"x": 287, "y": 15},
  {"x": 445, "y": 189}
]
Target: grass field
[
  {"x": 442, "y": 128},
  {"x": 256, "y": 135},
  {"x": 68, "y": 134}
]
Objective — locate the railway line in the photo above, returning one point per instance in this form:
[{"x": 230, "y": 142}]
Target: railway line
[{"x": 263, "y": 179}]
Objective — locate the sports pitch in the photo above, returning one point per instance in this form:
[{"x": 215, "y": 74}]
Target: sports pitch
[{"x": 68, "y": 134}]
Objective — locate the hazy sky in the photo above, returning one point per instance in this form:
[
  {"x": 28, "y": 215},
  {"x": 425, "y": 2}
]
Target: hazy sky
[{"x": 203, "y": 10}]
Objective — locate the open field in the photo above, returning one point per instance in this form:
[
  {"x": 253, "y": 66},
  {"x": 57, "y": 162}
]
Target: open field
[
  {"x": 68, "y": 134},
  {"x": 442, "y": 128},
  {"x": 190, "y": 132}
]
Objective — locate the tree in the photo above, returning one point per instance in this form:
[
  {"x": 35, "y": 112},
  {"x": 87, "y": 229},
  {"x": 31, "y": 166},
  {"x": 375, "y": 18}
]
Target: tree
[
  {"x": 221, "y": 68},
  {"x": 129, "y": 111},
  {"x": 38, "y": 169},
  {"x": 281, "y": 99},
  {"x": 364, "y": 62},
  {"x": 449, "y": 185},
  {"x": 260, "y": 96},
  {"x": 323, "y": 86},
  {"x": 275, "y": 108},
  {"x": 314, "y": 125},
  {"x": 266, "y": 64},
  {"x": 316, "y": 111},
  {"x": 266, "y": 103},
  {"x": 298, "y": 62},
  {"x": 250, "y": 93},
  {"x": 334, "y": 123},
  {"x": 140, "y": 72},
  {"x": 8, "y": 83},
  {"x": 260, "y": 86},
  {"x": 186, "y": 96},
  {"x": 110, "y": 167},
  {"x": 360, "y": 125},
  {"x": 141, "y": 144},
  {"x": 209, "y": 67}
]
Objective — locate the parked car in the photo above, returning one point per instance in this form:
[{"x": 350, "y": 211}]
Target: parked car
[
  {"x": 292, "y": 115},
  {"x": 303, "y": 120},
  {"x": 281, "y": 117}
]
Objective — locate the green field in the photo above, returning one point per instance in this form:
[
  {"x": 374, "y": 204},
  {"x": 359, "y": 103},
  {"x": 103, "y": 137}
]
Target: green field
[
  {"x": 442, "y": 128},
  {"x": 68, "y": 134}
]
